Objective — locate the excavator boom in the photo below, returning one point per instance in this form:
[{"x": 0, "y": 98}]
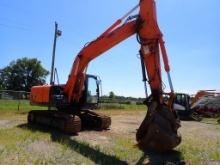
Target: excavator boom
[{"x": 150, "y": 38}]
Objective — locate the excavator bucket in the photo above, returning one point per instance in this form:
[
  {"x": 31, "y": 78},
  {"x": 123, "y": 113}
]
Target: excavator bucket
[{"x": 159, "y": 129}]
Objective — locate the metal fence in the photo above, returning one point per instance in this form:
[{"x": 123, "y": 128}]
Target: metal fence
[
  {"x": 17, "y": 97},
  {"x": 19, "y": 100}
]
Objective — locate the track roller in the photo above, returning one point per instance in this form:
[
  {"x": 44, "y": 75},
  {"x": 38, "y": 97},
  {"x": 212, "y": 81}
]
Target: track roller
[
  {"x": 93, "y": 120},
  {"x": 67, "y": 123}
]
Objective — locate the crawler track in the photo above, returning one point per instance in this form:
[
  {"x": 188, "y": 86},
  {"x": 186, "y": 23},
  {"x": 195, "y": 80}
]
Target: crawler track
[
  {"x": 93, "y": 120},
  {"x": 64, "y": 122},
  {"x": 69, "y": 123}
]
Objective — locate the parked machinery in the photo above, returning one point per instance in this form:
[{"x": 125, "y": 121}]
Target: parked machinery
[{"x": 74, "y": 99}]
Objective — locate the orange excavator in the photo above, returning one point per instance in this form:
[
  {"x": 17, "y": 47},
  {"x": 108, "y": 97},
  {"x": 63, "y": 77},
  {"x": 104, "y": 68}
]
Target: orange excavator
[
  {"x": 202, "y": 93},
  {"x": 75, "y": 100},
  {"x": 187, "y": 106}
]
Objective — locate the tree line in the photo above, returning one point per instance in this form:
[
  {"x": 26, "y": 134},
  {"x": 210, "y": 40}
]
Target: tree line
[
  {"x": 22, "y": 74},
  {"x": 113, "y": 98}
]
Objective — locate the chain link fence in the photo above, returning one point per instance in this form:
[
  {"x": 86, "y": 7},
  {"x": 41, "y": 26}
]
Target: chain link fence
[
  {"x": 19, "y": 101},
  {"x": 13, "y": 100},
  {"x": 121, "y": 103}
]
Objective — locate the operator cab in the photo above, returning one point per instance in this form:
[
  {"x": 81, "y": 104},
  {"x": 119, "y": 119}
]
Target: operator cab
[
  {"x": 88, "y": 100},
  {"x": 182, "y": 104},
  {"x": 91, "y": 93}
]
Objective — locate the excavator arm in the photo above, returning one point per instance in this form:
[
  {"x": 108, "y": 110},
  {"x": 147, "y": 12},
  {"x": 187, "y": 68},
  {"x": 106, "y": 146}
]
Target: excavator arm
[
  {"x": 149, "y": 37},
  {"x": 74, "y": 85}
]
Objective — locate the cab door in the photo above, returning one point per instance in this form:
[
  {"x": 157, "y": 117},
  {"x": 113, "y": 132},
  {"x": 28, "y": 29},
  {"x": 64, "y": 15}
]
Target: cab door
[{"x": 91, "y": 93}]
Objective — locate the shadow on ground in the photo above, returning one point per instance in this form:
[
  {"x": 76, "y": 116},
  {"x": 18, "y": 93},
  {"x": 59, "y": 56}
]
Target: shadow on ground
[
  {"x": 168, "y": 158},
  {"x": 92, "y": 153},
  {"x": 98, "y": 157}
]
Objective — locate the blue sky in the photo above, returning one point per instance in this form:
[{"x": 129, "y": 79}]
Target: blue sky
[{"x": 191, "y": 30}]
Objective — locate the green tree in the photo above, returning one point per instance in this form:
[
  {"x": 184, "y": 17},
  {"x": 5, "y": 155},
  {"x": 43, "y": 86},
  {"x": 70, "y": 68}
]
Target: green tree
[
  {"x": 112, "y": 95},
  {"x": 22, "y": 74}
]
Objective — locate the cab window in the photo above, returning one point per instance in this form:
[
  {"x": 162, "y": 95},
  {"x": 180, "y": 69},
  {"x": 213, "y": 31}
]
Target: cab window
[{"x": 92, "y": 92}]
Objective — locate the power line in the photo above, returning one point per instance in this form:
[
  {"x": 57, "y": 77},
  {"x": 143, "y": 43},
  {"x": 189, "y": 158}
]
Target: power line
[
  {"x": 14, "y": 27},
  {"x": 10, "y": 21}
]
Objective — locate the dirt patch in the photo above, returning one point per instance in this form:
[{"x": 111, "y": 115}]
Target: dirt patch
[
  {"x": 213, "y": 163},
  {"x": 93, "y": 137},
  {"x": 201, "y": 129},
  {"x": 5, "y": 124},
  {"x": 126, "y": 125},
  {"x": 122, "y": 125},
  {"x": 41, "y": 148}
]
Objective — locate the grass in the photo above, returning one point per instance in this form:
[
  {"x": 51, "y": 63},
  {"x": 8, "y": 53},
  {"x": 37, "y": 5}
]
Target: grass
[
  {"x": 17, "y": 105},
  {"x": 197, "y": 150},
  {"x": 33, "y": 147},
  {"x": 210, "y": 120},
  {"x": 21, "y": 150},
  {"x": 122, "y": 150},
  {"x": 21, "y": 144},
  {"x": 23, "y": 106},
  {"x": 112, "y": 106},
  {"x": 122, "y": 144}
]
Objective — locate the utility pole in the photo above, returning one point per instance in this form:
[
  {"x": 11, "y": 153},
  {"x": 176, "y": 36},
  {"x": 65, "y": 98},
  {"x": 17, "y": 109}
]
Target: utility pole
[{"x": 56, "y": 35}]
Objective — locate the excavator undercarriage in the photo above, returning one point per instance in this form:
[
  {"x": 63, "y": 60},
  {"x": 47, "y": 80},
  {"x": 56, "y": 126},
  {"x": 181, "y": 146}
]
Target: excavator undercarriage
[
  {"x": 69, "y": 123},
  {"x": 71, "y": 118}
]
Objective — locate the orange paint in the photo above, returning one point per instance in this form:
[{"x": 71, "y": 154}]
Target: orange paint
[{"x": 40, "y": 94}]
